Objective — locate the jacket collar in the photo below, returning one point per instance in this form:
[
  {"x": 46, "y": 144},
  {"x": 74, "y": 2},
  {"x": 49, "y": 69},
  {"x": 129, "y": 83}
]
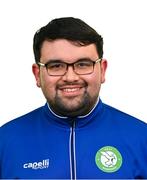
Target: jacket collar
[{"x": 79, "y": 121}]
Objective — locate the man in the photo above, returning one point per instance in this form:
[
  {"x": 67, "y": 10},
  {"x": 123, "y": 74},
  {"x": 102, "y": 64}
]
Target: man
[{"x": 75, "y": 135}]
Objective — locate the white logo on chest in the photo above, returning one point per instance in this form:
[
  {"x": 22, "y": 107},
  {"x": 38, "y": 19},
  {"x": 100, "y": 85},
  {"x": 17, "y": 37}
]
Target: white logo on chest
[{"x": 37, "y": 165}]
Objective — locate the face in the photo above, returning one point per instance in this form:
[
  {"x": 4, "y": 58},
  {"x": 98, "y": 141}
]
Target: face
[{"x": 71, "y": 94}]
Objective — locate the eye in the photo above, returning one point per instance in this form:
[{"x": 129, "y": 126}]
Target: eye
[
  {"x": 55, "y": 65},
  {"x": 83, "y": 64}
]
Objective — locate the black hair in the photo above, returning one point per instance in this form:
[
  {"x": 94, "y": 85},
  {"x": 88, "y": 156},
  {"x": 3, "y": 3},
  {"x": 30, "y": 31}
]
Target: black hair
[{"x": 69, "y": 28}]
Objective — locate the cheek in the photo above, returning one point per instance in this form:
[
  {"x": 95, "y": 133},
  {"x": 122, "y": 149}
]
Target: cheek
[
  {"x": 94, "y": 83},
  {"x": 96, "y": 78},
  {"x": 48, "y": 86}
]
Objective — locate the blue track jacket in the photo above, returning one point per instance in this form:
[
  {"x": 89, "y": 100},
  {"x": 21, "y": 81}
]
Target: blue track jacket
[{"x": 105, "y": 144}]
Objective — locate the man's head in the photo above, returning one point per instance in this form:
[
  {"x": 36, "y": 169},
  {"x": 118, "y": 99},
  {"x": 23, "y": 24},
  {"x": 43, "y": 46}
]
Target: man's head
[{"x": 68, "y": 70}]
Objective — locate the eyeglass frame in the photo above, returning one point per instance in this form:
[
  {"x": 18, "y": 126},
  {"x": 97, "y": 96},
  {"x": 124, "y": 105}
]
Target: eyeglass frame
[{"x": 67, "y": 65}]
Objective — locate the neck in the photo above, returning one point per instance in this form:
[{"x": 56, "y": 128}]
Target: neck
[{"x": 66, "y": 116}]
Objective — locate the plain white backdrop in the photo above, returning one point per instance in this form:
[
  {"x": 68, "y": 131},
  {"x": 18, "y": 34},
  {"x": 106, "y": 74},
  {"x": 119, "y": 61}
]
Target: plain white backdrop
[{"x": 123, "y": 25}]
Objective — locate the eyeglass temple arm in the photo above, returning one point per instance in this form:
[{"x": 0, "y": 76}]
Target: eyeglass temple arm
[
  {"x": 98, "y": 60},
  {"x": 41, "y": 64}
]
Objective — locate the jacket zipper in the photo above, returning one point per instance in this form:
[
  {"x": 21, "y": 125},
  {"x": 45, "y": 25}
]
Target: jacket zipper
[{"x": 72, "y": 152}]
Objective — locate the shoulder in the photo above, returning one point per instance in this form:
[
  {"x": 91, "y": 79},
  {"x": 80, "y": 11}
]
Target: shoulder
[
  {"x": 21, "y": 123},
  {"x": 124, "y": 120},
  {"x": 20, "y": 129}
]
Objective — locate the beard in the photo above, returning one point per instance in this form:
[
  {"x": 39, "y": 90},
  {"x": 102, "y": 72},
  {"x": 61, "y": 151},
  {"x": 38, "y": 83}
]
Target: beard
[{"x": 83, "y": 106}]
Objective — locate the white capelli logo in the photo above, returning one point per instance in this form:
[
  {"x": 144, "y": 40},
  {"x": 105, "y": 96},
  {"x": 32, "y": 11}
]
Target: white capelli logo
[{"x": 37, "y": 165}]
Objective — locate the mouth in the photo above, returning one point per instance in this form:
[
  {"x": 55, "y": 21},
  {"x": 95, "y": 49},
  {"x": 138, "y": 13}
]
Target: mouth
[{"x": 71, "y": 91}]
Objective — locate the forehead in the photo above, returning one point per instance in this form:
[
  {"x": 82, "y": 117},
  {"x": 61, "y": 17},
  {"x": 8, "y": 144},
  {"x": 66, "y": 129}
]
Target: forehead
[{"x": 65, "y": 49}]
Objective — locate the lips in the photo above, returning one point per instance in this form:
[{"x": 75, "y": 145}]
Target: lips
[{"x": 71, "y": 90}]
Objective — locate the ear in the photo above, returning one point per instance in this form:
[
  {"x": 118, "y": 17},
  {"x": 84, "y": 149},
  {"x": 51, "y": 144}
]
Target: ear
[
  {"x": 103, "y": 69},
  {"x": 36, "y": 72}
]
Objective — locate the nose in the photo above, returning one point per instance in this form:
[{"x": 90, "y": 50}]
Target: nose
[{"x": 70, "y": 75}]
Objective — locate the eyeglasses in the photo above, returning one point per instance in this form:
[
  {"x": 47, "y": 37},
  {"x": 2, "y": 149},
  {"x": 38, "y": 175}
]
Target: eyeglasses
[{"x": 60, "y": 68}]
